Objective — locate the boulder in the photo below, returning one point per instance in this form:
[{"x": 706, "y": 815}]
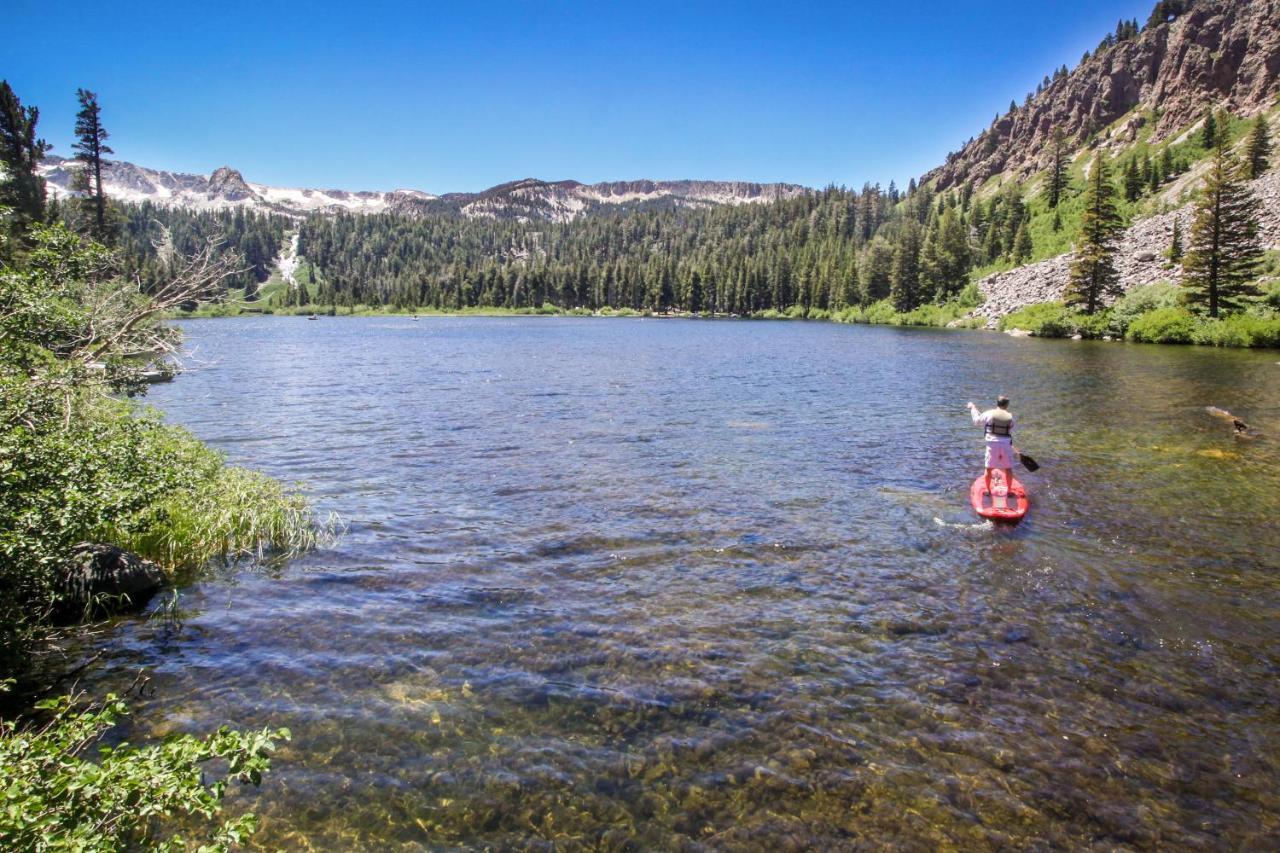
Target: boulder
[{"x": 102, "y": 579}]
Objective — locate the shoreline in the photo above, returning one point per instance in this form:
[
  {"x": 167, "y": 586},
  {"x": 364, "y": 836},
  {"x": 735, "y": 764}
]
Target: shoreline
[{"x": 964, "y": 323}]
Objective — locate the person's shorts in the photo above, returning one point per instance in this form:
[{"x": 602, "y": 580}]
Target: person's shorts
[{"x": 999, "y": 454}]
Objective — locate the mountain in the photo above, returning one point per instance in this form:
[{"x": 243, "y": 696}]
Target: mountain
[
  {"x": 225, "y": 189},
  {"x": 528, "y": 199},
  {"x": 1213, "y": 52}
]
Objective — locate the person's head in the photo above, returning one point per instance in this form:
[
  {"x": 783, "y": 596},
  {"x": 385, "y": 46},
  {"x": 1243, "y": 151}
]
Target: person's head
[{"x": 1002, "y": 401}]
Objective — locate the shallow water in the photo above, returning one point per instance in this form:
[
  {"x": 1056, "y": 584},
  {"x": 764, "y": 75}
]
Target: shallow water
[{"x": 676, "y": 584}]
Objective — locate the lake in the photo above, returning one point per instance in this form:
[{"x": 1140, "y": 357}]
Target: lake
[{"x": 624, "y": 583}]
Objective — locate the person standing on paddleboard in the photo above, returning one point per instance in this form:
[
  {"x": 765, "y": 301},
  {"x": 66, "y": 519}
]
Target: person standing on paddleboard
[{"x": 997, "y": 427}]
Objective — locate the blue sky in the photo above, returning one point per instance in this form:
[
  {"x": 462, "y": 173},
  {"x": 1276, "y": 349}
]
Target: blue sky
[{"x": 461, "y": 96}]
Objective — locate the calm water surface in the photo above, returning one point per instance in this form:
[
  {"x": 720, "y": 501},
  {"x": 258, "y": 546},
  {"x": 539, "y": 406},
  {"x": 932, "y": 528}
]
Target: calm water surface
[{"x": 643, "y": 583}]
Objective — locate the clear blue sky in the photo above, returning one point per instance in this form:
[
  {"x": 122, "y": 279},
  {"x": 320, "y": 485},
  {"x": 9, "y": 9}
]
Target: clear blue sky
[{"x": 459, "y": 96}]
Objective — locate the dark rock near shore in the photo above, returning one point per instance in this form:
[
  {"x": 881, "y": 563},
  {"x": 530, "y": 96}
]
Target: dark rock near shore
[{"x": 103, "y": 579}]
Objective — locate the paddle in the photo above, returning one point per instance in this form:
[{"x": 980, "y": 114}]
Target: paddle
[{"x": 1027, "y": 462}]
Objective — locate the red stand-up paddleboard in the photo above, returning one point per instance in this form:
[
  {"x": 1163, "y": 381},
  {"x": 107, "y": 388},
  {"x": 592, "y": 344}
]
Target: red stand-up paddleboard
[{"x": 1003, "y": 502}]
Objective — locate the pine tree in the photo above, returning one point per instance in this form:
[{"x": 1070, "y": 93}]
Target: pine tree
[
  {"x": 1224, "y": 251},
  {"x": 1167, "y": 166},
  {"x": 1154, "y": 179},
  {"x": 1022, "y": 248},
  {"x": 876, "y": 271},
  {"x": 1175, "y": 242},
  {"x": 1132, "y": 180},
  {"x": 904, "y": 280},
  {"x": 1259, "y": 151},
  {"x": 1057, "y": 220},
  {"x": 954, "y": 256},
  {"x": 21, "y": 151},
  {"x": 90, "y": 147},
  {"x": 1058, "y": 166},
  {"x": 1209, "y": 132},
  {"x": 1093, "y": 272}
]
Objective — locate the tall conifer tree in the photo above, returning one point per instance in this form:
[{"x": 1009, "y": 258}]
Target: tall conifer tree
[
  {"x": 904, "y": 280},
  {"x": 1258, "y": 158},
  {"x": 21, "y": 151},
  {"x": 1224, "y": 251},
  {"x": 1209, "y": 132},
  {"x": 1093, "y": 272},
  {"x": 1058, "y": 168},
  {"x": 91, "y": 146}
]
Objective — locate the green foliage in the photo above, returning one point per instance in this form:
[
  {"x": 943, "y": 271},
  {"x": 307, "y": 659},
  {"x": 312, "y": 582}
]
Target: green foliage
[
  {"x": 1239, "y": 330},
  {"x": 1258, "y": 151},
  {"x": 77, "y": 464},
  {"x": 91, "y": 148},
  {"x": 1044, "y": 319},
  {"x": 1163, "y": 326},
  {"x": 1093, "y": 272},
  {"x": 56, "y": 796},
  {"x": 1224, "y": 249},
  {"x": 1142, "y": 300},
  {"x": 22, "y": 190}
]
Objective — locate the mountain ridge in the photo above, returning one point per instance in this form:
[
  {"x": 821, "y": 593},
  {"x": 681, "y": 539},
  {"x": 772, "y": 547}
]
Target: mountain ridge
[{"x": 526, "y": 198}]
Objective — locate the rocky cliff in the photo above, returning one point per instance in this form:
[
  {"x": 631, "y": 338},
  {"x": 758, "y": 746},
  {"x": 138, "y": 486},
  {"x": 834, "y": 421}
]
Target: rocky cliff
[{"x": 1216, "y": 52}]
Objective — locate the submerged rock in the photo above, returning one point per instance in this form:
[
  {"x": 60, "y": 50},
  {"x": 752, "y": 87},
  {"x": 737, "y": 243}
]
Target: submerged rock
[{"x": 101, "y": 579}]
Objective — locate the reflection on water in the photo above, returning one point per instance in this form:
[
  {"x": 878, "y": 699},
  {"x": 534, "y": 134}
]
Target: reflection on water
[{"x": 662, "y": 583}]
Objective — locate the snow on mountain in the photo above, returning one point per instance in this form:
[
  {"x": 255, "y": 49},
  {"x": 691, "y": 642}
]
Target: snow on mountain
[
  {"x": 562, "y": 201},
  {"x": 529, "y": 199},
  {"x": 223, "y": 189}
]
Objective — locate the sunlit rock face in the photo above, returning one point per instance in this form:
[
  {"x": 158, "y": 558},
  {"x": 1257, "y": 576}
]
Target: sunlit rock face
[{"x": 1220, "y": 52}]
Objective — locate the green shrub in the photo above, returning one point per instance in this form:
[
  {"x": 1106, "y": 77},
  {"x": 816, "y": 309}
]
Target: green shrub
[
  {"x": 1163, "y": 326},
  {"x": 879, "y": 312},
  {"x": 57, "y": 797},
  {"x": 1239, "y": 330},
  {"x": 1141, "y": 300},
  {"x": 1045, "y": 319},
  {"x": 1094, "y": 325}
]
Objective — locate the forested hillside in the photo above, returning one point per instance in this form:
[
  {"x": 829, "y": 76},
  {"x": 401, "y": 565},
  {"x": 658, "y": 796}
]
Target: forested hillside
[{"x": 821, "y": 251}]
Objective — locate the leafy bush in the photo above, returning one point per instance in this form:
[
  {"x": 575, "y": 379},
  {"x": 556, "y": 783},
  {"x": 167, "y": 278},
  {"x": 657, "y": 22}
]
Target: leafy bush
[
  {"x": 1045, "y": 319},
  {"x": 58, "y": 798},
  {"x": 879, "y": 312},
  {"x": 1239, "y": 330},
  {"x": 1141, "y": 300},
  {"x": 1163, "y": 326},
  {"x": 1094, "y": 325}
]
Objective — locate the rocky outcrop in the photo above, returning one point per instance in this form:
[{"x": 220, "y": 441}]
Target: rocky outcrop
[
  {"x": 1219, "y": 52},
  {"x": 102, "y": 579},
  {"x": 228, "y": 184},
  {"x": 1141, "y": 258}
]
